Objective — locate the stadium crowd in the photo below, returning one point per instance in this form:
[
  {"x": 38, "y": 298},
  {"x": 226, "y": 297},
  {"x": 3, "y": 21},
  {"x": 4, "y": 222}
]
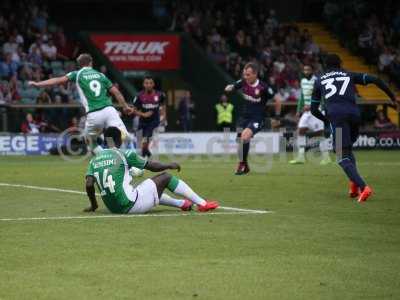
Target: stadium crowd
[
  {"x": 238, "y": 33},
  {"x": 34, "y": 48},
  {"x": 377, "y": 29}
]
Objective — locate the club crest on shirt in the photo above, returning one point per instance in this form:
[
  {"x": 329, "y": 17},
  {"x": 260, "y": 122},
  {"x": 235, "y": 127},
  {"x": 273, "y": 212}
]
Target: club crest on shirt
[
  {"x": 257, "y": 92},
  {"x": 156, "y": 98}
]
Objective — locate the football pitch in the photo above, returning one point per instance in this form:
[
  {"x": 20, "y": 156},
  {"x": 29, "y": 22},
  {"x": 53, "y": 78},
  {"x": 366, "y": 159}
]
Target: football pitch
[{"x": 291, "y": 233}]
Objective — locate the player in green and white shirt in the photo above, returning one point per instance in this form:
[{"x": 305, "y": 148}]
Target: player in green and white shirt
[
  {"x": 95, "y": 91},
  {"x": 110, "y": 170},
  {"x": 308, "y": 124}
]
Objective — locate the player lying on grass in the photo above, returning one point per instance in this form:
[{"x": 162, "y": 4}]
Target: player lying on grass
[
  {"x": 337, "y": 87},
  {"x": 94, "y": 90},
  {"x": 110, "y": 170}
]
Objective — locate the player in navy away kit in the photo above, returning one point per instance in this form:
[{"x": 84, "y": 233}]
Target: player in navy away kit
[
  {"x": 255, "y": 94},
  {"x": 149, "y": 106},
  {"x": 337, "y": 87}
]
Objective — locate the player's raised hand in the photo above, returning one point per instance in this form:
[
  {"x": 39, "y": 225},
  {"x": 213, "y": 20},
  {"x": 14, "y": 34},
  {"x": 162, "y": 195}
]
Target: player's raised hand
[
  {"x": 128, "y": 110},
  {"x": 229, "y": 88},
  {"x": 175, "y": 166},
  {"x": 32, "y": 83}
]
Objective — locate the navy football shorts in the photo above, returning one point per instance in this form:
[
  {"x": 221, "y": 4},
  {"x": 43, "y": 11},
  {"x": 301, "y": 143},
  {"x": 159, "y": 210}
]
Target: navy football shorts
[
  {"x": 345, "y": 131},
  {"x": 147, "y": 128},
  {"x": 254, "y": 124}
]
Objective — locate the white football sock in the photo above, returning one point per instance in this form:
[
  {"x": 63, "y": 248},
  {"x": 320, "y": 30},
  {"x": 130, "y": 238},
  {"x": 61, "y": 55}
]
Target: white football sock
[
  {"x": 324, "y": 148},
  {"x": 184, "y": 190},
  {"x": 167, "y": 200},
  {"x": 301, "y": 145}
]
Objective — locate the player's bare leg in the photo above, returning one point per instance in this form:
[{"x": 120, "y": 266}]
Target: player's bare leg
[
  {"x": 177, "y": 186},
  {"x": 243, "y": 151}
]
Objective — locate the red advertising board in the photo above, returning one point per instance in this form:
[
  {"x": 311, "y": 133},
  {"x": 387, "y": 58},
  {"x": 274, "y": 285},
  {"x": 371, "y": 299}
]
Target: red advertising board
[{"x": 140, "y": 51}]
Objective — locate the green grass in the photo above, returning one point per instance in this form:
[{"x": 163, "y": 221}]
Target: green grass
[{"x": 316, "y": 245}]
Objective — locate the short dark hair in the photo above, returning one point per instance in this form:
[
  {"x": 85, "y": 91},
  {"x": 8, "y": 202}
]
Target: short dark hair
[
  {"x": 112, "y": 136},
  {"x": 308, "y": 65},
  {"x": 148, "y": 77},
  {"x": 333, "y": 61},
  {"x": 84, "y": 60},
  {"x": 252, "y": 66}
]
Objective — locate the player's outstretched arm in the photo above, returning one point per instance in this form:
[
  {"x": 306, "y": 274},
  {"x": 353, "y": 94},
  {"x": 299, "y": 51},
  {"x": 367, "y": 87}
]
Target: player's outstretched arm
[
  {"x": 156, "y": 166},
  {"x": 91, "y": 193},
  {"x": 381, "y": 85},
  {"x": 49, "y": 82},
  {"x": 121, "y": 100},
  {"x": 231, "y": 87}
]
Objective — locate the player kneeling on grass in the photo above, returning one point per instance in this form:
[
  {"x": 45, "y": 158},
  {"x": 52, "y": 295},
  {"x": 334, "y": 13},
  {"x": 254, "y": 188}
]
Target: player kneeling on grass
[{"x": 110, "y": 169}]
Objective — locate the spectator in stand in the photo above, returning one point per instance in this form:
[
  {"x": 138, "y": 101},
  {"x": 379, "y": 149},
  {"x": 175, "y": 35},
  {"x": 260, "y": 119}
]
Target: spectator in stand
[
  {"x": 8, "y": 68},
  {"x": 5, "y": 93},
  {"x": 43, "y": 98},
  {"x": 35, "y": 54},
  {"x": 49, "y": 50},
  {"x": 382, "y": 121},
  {"x": 365, "y": 39},
  {"x": 11, "y": 46},
  {"x": 29, "y": 126},
  {"x": 385, "y": 59},
  {"x": 394, "y": 70},
  {"x": 43, "y": 122},
  {"x": 13, "y": 88}
]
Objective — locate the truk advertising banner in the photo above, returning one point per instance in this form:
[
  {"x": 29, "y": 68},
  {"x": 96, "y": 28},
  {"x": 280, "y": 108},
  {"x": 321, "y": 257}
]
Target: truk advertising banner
[{"x": 140, "y": 51}]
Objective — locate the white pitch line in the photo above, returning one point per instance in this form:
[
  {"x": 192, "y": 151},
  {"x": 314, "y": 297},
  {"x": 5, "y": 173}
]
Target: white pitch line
[
  {"x": 130, "y": 216},
  {"x": 41, "y": 188}
]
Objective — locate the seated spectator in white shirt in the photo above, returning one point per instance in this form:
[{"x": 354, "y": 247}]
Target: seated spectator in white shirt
[
  {"x": 49, "y": 50},
  {"x": 10, "y": 46}
]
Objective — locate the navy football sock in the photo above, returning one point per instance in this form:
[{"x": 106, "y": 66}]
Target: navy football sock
[
  {"x": 351, "y": 171},
  {"x": 246, "y": 148},
  {"x": 353, "y": 159}
]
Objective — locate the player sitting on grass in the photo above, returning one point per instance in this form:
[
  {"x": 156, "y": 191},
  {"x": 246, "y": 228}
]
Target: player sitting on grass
[
  {"x": 337, "y": 87},
  {"x": 110, "y": 169}
]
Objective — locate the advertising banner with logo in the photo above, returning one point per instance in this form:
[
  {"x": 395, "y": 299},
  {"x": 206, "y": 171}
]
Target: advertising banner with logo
[
  {"x": 212, "y": 143},
  {"x": 378, "y": 140},
  {"x": 164, "y": 143},
  {"x": 140, "y": 51},
  {"x": 209, "y": 143},
  {"x": 366, "y": 140},
  {"x": 36, "y": 144}
]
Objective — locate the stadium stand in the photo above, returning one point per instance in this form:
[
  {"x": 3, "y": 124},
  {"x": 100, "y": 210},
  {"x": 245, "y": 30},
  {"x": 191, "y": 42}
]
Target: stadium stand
[
  {"x": 233, "y": 35},
  {"x": 371, "y": 34},
  {"x": 33, "y": 48}
]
